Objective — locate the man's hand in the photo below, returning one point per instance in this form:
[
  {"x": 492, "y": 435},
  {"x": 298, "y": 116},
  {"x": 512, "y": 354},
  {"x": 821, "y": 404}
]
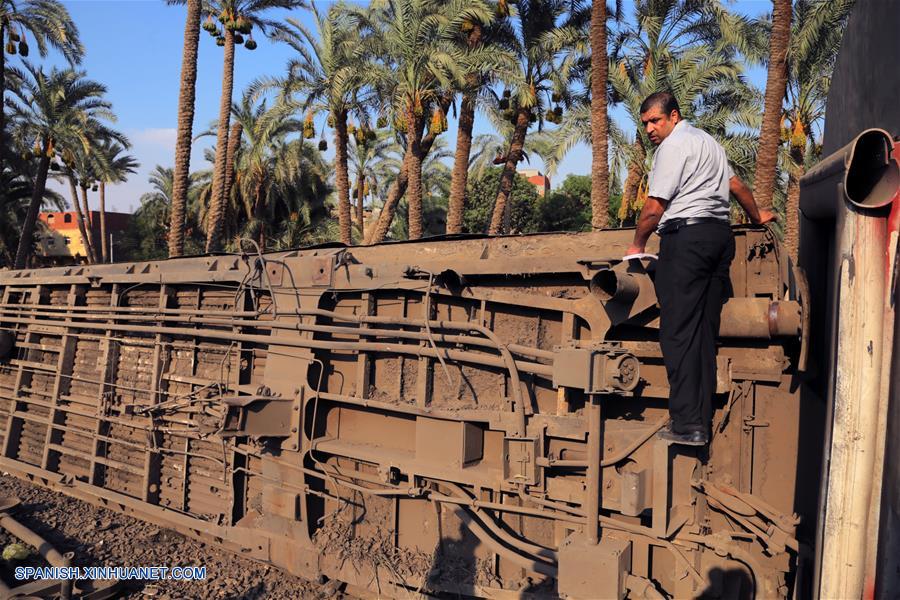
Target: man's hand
[
  {"x": 766, "y": 216},
  {"x": 634, "y": 249},
  {"x": 758, "y": 216}
]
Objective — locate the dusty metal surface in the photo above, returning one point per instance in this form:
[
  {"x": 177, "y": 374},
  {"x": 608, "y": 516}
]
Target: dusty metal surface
[{"x": 475, "y": 416}]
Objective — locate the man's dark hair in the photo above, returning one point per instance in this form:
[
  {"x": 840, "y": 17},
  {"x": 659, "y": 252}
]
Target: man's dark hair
[{"x": 665, "y": 101}]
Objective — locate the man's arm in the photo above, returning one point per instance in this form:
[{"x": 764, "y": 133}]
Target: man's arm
[
  {"x": 744, "y": 196},
  {"x": 650, "y": 215}
]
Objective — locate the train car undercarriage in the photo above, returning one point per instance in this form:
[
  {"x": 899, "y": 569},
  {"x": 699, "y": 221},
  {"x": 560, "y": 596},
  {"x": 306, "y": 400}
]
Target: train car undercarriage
[{"x": 473, "y": 417}]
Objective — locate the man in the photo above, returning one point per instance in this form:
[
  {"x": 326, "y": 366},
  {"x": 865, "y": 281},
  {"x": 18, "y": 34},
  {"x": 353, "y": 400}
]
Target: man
[{"x": 688, "y": 206}]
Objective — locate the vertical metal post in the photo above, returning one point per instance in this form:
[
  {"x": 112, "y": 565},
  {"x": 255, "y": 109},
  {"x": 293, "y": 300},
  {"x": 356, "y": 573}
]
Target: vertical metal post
[
  {"x": 856, "y": 402},
  {"x": 594, "y": 449}
]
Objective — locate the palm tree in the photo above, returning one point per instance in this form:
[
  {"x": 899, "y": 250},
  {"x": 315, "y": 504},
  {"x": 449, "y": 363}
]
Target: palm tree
[
  {"x": 16, "y": 189},
  {"x": 496, "y": 38},
  {"x": 424, "y": 65},
  {"x": 536, "y": 84},
  {"x": 464, "y": 139},
  {"x": 329, "y": 73},
  {"x": 186, "y": 98},
  {"x": 436, "y": 180},
  {"x": 398, "y": 186},
  {"x": 776, "y": 83},
  {"x": 69, "y": 166},
  {"x": 85, "y": 168},
  {"x": 259, "y": 175},
  {"x": 56, "y": 111},
  {"x": 599, "y": 118},
  {"x": 583, "y": 42},
  {"x": 298, "y": 199},
  {"x": 79, "y": 170},
  {"x": 116, "y": 169},
  {"x": 368, "y": 158},
  {"x": 148, "y": 235},
  {"x": 238, "y": 18},
  {"x": 275, "y": 179},
  {"x": 815, "y": 40},
  {"x": 49, "y": 24}
]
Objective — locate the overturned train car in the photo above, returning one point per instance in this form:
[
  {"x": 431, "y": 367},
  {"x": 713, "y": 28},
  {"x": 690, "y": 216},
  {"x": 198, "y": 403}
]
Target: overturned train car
[{"x": 474, "y": 417}]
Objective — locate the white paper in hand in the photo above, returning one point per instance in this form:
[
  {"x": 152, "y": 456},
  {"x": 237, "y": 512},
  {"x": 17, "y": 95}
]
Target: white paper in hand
[{"x": 639, "y": 256}]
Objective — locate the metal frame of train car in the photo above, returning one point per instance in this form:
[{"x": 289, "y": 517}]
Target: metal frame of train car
[{"x": 474, "y": 416}]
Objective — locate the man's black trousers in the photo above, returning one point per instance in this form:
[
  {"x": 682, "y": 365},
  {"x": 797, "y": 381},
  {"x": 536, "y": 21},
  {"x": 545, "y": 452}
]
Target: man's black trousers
[{"x": 692, "y": 283}]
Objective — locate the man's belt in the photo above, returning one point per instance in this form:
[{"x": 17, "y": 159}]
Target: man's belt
[{"x": 673, "y": 225}]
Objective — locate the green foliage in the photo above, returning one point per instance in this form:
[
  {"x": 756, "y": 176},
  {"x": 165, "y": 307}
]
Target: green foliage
[
  {"x": 480, "y": 197},
  {"x": 147, "y": 235},
  {"x": 48, "y": 23},
  {"x": 568, "y": 208}
]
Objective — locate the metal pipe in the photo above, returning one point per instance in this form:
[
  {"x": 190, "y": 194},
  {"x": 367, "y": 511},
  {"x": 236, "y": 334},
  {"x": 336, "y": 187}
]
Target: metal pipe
[
  {"x": 862, "y": 170},
  {"x": 534, "y": 566},
  {"x": 643, "y": 586},
  {"x": 389, "y": 333},
  {"x": 592, "y": 489},
  {"x": 609, "y": 285},
  {"x": 520, "y": 510},
  {"x": 462, "y": 356},
  {"x": 139, "y": 310},
  {"x": 856, "y": 397},
  {"x": 488, "y": 521},
  {"x": 50, "y": 554}
]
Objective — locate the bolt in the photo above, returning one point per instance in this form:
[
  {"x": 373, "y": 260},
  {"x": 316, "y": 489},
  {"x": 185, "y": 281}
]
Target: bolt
[{"x": 293, "y": 430}]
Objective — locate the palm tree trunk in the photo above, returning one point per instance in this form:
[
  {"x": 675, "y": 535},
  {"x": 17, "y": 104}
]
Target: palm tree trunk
[
  {"x": 79, "y": 216},
  {"x": 507, "y": 176},
  {"x": 234, "y": 142},
  {"x": 26, "y": 242},
  {"x": 460, "y": 175},
  {"x": 186, "y": 97},
  {"x": 104, "y": 241},
  {"x": 792, "y": 212},
  {"x": 461, "y": 164},
  {"x": 599, "y": 123},
  {"x": 2, "y": 93},
  {"x": 395, "y": 192},
  {"x": 341, "y": 177},
  {"x": 414, "y": 169},
  {"x": 635, "y": 173},
  {"x": 217, "y": 201},
  {"x": 397, "y": 189},
  {"x": 360, "y": 197},
  {"x": 776, "y": 82},
  {"x": 89, "y": 241},
  {"x": 259, "y": 214}
]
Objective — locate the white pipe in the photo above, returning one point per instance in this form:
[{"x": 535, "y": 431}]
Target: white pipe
[{"x": 857, "y": 390}]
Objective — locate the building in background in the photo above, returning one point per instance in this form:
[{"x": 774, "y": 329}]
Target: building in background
[
  {"x": 61, "y": 242},
  {"x": 540, "y": 181}
]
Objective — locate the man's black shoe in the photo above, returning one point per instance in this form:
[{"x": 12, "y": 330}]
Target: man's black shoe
[{"x": 692, "y": 437}]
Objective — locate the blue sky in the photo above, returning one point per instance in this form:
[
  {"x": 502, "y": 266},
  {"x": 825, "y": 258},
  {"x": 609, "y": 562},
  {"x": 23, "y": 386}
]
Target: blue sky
[{"x": 134, "y": 48}]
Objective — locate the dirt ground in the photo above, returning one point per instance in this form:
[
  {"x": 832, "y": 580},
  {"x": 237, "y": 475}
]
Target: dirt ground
[{"x": 100, "y": 537}]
